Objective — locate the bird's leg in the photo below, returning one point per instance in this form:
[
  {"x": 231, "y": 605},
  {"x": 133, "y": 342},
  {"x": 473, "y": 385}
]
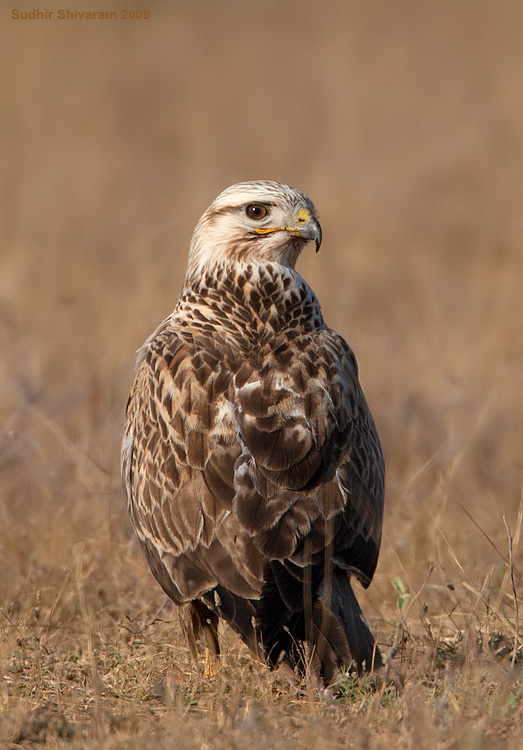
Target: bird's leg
[
  {"x": 205, "y": 622},
  {"x": 212, "y": 649}
]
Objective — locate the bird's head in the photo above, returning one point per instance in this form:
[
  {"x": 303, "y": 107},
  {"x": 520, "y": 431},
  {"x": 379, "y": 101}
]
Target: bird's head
[{"x": 260, "y": 221}]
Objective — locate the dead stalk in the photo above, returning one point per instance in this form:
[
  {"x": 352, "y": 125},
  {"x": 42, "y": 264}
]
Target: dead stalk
[{"x": 514, "y": 594}]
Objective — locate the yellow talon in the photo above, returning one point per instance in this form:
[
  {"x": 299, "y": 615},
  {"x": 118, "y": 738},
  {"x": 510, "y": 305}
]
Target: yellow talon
[{"x": 211, "y": 664}]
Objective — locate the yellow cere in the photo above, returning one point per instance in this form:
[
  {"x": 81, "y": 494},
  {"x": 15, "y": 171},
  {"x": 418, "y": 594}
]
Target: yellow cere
[{"x": 302, "y": 216}]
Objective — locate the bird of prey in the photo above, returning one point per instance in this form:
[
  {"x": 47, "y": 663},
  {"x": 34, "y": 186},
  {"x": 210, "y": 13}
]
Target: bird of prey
[{"x": 251, "y": 462}]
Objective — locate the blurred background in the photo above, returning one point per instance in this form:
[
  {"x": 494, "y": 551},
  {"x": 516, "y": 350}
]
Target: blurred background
[{"x": 402, "y": 121}]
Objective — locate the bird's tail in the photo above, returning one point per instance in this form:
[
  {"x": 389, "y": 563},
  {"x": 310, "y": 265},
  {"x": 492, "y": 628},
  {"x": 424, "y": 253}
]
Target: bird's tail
[
  {"x": 337, "y": 632},
  {"x": 339, "y": 607}
]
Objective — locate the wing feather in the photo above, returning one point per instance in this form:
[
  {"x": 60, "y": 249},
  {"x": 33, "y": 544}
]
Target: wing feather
[{"x": 310, "y": 450}]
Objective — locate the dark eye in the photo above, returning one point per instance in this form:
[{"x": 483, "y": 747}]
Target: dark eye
[{"x": 256, "y": 211}]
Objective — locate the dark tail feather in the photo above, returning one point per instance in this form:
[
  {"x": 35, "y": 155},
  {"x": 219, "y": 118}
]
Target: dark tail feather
[{"x": 344, "y": 605}]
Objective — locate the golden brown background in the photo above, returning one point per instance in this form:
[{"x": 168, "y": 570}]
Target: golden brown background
[{"x": 403, "y": 121}]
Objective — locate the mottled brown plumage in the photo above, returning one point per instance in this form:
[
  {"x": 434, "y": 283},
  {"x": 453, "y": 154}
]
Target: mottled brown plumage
[{"x": 251, "y": 462}]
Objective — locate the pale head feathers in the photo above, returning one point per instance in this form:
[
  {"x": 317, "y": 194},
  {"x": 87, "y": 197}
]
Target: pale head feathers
[{"x": 259, "y": 221}]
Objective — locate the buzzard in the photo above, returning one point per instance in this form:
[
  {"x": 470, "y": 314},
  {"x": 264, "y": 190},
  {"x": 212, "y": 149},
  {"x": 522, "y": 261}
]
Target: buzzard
[{"x": 252, "y": 466}]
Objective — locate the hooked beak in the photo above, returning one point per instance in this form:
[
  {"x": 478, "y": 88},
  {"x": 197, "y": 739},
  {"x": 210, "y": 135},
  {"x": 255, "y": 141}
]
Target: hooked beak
[
  {"x": 313, "y": 232},
  {"x": 307, "y": 227}
]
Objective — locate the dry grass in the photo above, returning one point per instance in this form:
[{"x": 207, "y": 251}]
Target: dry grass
[{"x": 404, "y": 122}]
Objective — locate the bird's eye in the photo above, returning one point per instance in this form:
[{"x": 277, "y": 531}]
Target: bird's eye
[{"x": 256, "y": 211}]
